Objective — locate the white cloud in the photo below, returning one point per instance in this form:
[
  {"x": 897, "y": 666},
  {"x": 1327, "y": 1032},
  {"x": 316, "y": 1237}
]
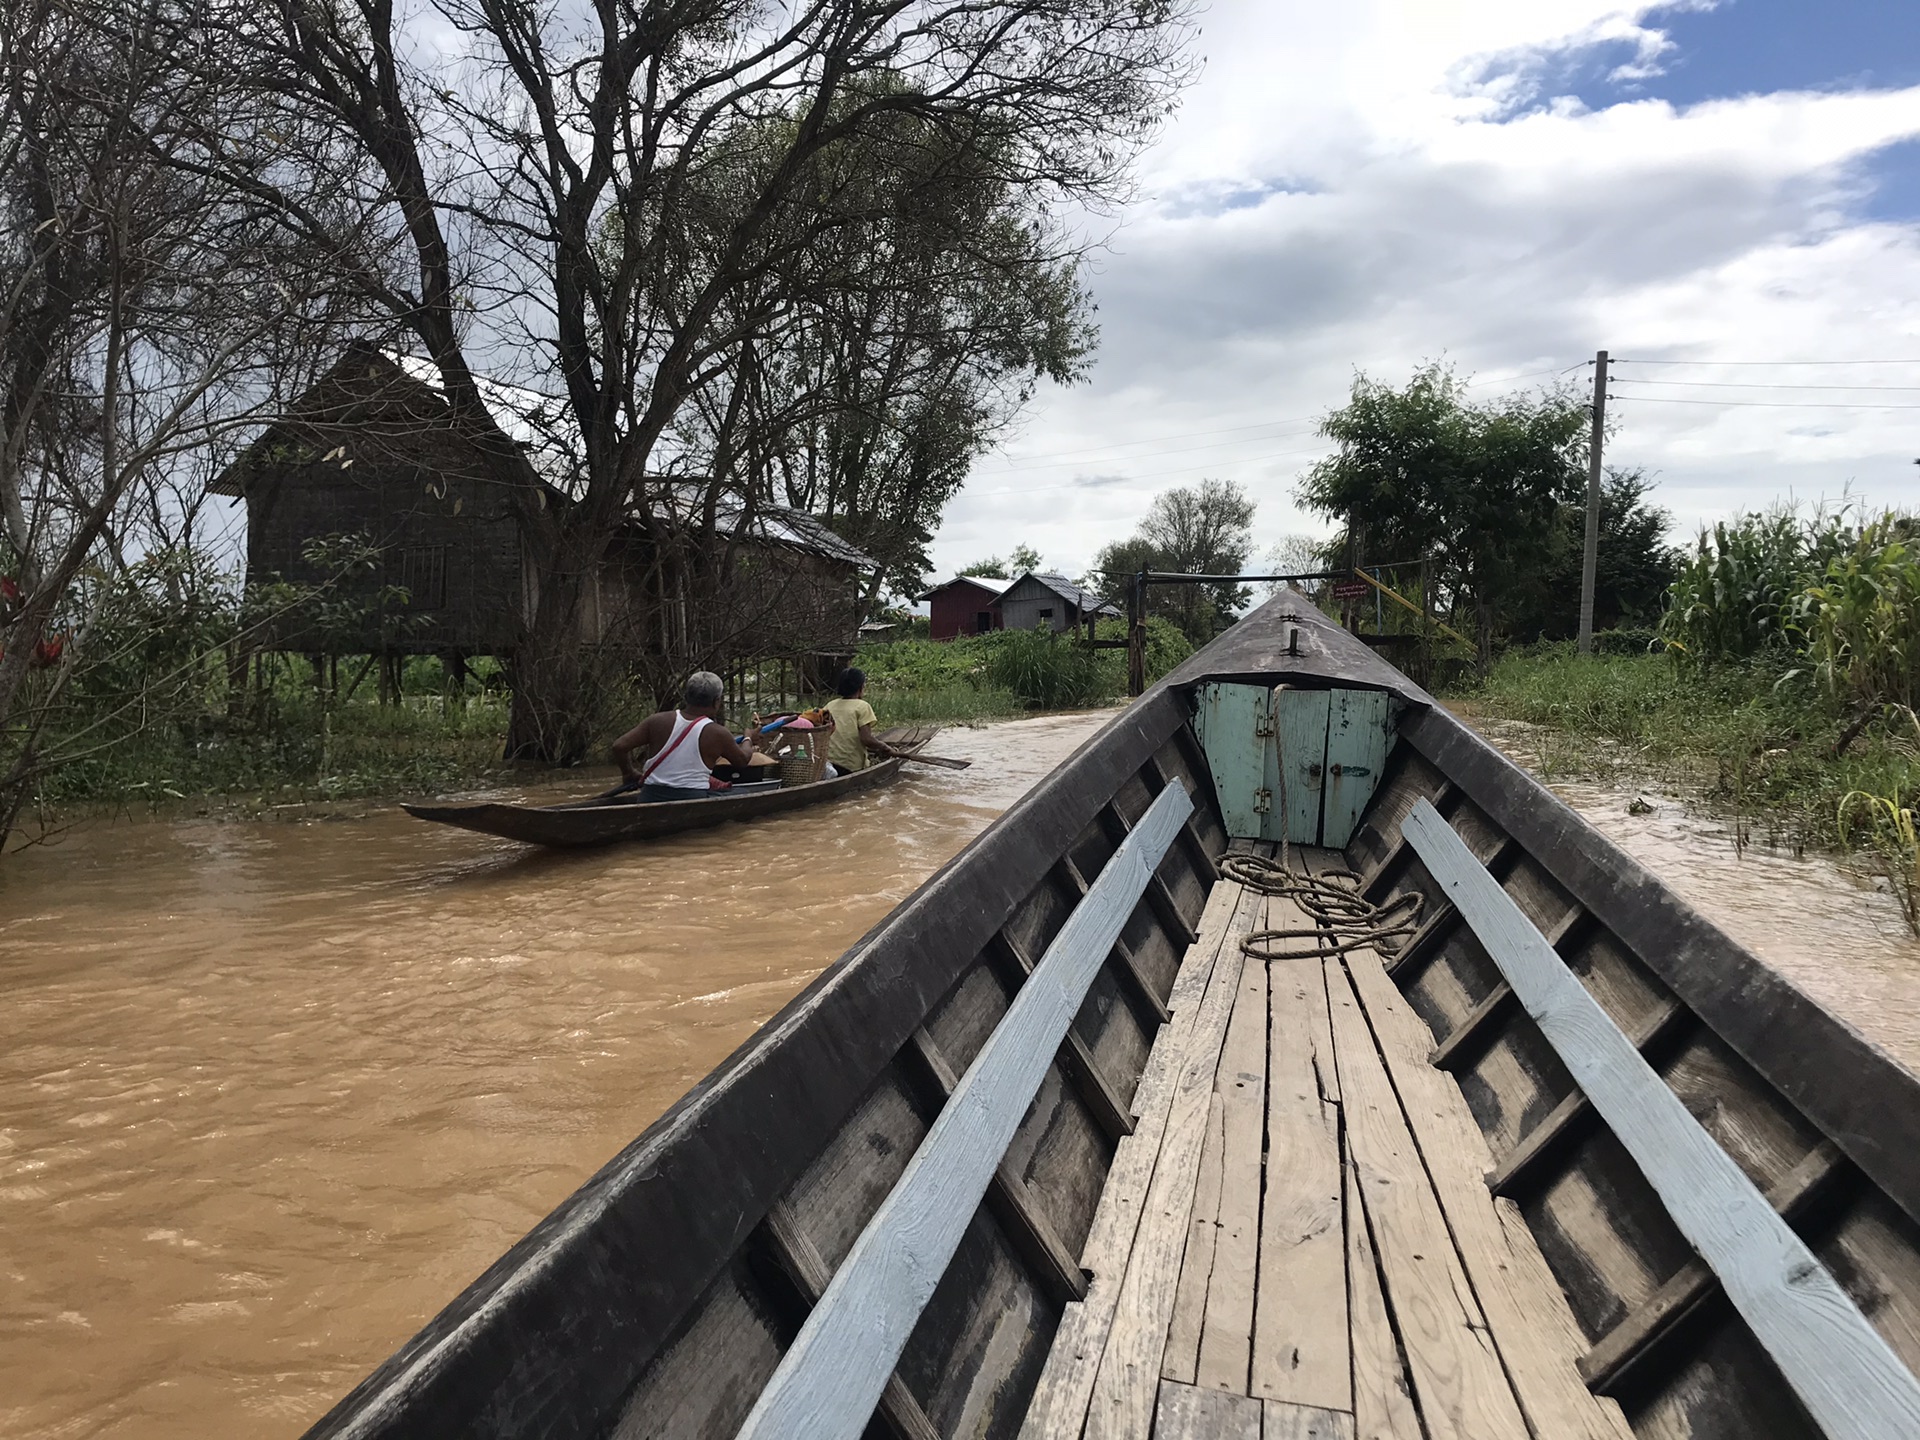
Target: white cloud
[{"x": 1340, "y": 193}]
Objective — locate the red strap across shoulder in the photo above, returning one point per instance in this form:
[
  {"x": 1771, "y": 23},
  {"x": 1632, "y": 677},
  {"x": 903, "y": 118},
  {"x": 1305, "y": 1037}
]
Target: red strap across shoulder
[{"x": 667, "y": 749}]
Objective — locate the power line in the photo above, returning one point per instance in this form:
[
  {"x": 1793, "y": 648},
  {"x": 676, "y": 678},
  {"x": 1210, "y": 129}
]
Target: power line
[
  {"x": 1768, "y": 404},
  {"x": 1761, "y": 385},
  {"x": 1776, "y": 363}
]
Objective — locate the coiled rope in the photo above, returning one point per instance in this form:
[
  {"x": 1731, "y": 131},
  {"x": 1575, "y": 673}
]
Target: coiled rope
[{"x": 1333, "y": 900}]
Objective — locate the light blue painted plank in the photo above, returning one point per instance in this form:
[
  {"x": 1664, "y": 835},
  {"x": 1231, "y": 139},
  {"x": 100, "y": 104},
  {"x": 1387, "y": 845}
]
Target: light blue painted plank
[
  {"x": 1232, "y": 722},
  {"x": 827, "y": 1384},
  {"x": 1357, "y": 742},
  {"x": 1846, "y": 1375},
  {"x": 1299, "y": 760}
]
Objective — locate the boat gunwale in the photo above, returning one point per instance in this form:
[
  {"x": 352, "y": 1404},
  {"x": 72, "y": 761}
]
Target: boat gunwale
[
  {"x": 1850, "y": 1089},
  {"x": 691, "y": 1188}
]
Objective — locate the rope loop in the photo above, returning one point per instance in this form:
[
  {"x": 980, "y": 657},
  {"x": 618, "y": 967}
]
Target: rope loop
[{"x": 1333, "y": 900}]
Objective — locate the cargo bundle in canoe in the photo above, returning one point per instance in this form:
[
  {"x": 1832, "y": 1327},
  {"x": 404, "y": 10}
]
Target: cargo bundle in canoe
[{"x": 1046, "y": 1154}]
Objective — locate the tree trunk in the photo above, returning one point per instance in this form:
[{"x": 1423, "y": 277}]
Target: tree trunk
[{"x": 548, "y": 721}]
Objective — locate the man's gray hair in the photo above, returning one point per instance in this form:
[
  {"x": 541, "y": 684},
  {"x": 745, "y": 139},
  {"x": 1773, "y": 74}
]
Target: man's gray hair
[{"x": 704, "y": 688}]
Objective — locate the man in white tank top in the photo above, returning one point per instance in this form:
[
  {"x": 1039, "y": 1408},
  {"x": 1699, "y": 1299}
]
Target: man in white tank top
[{"x": 681, "y": 746}]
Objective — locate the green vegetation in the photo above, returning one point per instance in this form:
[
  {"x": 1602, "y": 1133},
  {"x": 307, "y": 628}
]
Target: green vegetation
[
  {"x": 1493, "y": 494},
  {"x": 1004, "y": 673},
  {"x": 1203, "y": 529},
  {"x": 1785, "y": 685}
]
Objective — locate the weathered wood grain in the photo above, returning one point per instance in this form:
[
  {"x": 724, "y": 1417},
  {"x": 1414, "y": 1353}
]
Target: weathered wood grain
[
  {"x": 1531, "y": 1325},
  {"x": 1121, "y": 1403},
  {"x": 1182, "y": 1360},
  {"x": 1841, "y": 1368},
  {"x": 1300, "y": 1349},
  {"x": 1304, "y": 1422},
  {"x": 1226, "y": 1337},
  {"x": 1184, "y": 1412},
  {"x": 1457, "y": 1376},
  {"x": 830, "y": 1380},
  {"x": 1382, "y": 1395},
  {"x": 1642, "y": 1330},
  {"x": 1060, "y": 1399}
]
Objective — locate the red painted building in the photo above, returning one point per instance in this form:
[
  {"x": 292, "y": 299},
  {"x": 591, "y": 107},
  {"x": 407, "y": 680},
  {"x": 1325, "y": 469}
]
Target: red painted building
[{"x": 965, "y": 605}]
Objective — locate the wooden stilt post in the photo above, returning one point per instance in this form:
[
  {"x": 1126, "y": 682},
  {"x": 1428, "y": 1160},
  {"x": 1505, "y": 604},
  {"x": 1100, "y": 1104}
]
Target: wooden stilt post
[{"x": 1137, "y": 634}]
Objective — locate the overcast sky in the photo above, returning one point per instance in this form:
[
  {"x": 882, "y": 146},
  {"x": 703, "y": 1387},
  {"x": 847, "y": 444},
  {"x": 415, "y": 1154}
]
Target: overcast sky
[{"x": 1509, "y": 185}]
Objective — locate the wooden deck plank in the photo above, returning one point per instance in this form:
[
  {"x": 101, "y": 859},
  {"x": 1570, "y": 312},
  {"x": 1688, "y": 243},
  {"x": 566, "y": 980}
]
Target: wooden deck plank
[
  {"x": 831, "y": 1379},
  {"x": 1304, "y": 1422},
  {"x": 1532, "y": 1326},
  {"x": 1182, "y": 1360},
  {"x": 1300, "y": 1351},
  {"x": 1060, "y": 1399},
  {"x": 1226, "y": 1337},
  {"x": 1121, "y": 1404},
  {"x": 1185, "y": 1412},
  {"x": 1457, "y": 1377},
  {"x": 1843, "y": 1370},
  {"x": 1382, "y": 1395}
]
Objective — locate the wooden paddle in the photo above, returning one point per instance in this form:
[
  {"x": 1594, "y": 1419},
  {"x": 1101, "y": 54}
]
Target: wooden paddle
[{"x": 945, "y": 761}]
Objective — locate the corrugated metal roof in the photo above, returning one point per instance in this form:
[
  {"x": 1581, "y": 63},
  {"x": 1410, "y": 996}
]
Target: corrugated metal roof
[
  {"x": 1083, "y": 599},
  {"x": 985, "y": 582}
]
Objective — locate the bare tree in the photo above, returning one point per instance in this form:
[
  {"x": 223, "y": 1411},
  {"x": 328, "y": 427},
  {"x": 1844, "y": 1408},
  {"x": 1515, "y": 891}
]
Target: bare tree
[
  {"x": 605, "y": 204},
  {"x": 147, "y": 313}
]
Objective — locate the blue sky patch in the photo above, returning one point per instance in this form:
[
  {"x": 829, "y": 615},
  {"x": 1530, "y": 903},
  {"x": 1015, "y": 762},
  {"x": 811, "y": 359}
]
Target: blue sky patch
[{"x": 1733, "y": 48}]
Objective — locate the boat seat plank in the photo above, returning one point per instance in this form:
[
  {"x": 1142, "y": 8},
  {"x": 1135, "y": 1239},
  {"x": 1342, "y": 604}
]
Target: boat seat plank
[
  {"x": 1226, "y": 1336},
  {"x": 1483, "y": 1020},
  {"x": 1076, "y": 1058},
  {"x": 1527, "y": 1314},
  {"x": 1134, "y": 979},
  {"x": 1460, "y": 1386},
  {"x": 1185, "y": 1412},
  {"x": 1300, "y": 1351},
  {"x": 1530, "y": 1152},
  {"x": 829, "y": 1382},
  {"x": 1842, "y": 1369},
  {"x": 1627, "y": 1343},
  {"x": 1125, "y": 1381},
  {"x": 1060, "y": 1399},
  {"x": 795, "y": 1254},
  {"x": 1012, "y": 1202}
]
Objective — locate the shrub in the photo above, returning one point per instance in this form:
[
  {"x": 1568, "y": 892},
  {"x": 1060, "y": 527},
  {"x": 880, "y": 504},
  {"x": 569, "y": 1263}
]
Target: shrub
[{"x": 1052, "y": 672}]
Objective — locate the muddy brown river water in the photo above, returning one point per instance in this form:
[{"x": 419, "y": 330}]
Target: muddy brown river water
[{"x": 271, "y": 1094}]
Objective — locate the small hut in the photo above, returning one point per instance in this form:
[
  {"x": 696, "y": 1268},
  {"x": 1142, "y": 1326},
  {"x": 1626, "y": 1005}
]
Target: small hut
[
  {"x": 1053, "y": 601},
  {"x": 964, "y": 605},
  {"x": 370, "y": 451}
]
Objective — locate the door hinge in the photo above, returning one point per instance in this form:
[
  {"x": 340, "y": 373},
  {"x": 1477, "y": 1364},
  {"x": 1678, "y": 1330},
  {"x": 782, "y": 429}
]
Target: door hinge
[
  {"x": 1263, "y": 802},
  {"x": 1263, "y": 727}
]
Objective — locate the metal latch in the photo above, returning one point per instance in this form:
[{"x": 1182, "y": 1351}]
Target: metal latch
[
  {"x": 1263, "y": 802},
  {"x": 1339, "y": 770}
]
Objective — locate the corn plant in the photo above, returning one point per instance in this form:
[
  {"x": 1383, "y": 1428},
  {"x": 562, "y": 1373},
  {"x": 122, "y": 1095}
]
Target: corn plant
[{"x": 1860, "y": 620}]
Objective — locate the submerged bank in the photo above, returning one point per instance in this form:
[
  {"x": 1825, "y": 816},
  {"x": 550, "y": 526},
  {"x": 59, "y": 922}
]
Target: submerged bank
[{"x": 1759, "y": 749}]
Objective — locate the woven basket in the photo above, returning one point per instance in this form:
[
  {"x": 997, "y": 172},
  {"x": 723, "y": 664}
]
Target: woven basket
[
  {"x": 796, "y": 768},
  {"x": 802, "y": 754}
]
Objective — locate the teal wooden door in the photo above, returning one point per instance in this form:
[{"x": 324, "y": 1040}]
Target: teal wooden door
[
  {"x": 1357, "y": 740},
  {"x": 1297, "y": 765},
  {"x": 1235, "y": 726}
]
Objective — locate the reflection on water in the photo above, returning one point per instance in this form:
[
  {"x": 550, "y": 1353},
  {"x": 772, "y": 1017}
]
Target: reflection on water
[
  {"x": 1833, "y": 933},
  {"x": 270, "y": 1094}
]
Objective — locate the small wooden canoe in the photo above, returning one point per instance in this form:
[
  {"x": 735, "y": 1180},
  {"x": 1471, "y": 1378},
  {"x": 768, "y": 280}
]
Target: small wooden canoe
[
  {"x": 1048, "y": 1154},
  {"x": 581, "y": 823}
]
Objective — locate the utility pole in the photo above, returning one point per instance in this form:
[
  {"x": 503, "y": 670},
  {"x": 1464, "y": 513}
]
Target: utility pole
[{"x": 1590, "y": 561}]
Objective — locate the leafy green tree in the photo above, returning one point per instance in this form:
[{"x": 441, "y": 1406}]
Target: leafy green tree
[
  {"x": 1023, "y": 559},
  {"x": 1636, "y": 566},
  {"x": 1203, "y": 529},
  {"x": 1478, "y": 487}
]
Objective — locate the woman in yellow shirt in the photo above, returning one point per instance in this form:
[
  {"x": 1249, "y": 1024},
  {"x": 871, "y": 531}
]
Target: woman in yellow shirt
[{"x": 853, "y": 740}]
